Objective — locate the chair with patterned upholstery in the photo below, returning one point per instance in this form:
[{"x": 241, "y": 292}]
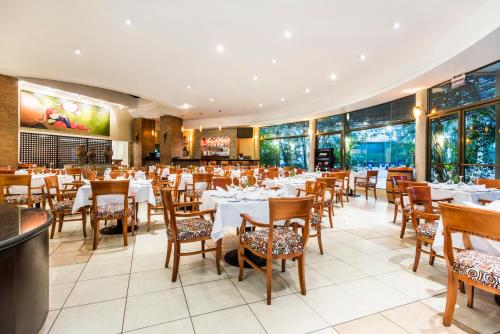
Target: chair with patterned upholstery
[
  {"x": 201, "y": 182},
  {"x": 474, "y": 268},
  {"x": 404, "y": 203},
  {"x": 367, "y": 183},
  {"x": 107, "y": 209},
  {"x": 76, "y": 174},
  {"x": 61, "y": 203},
  {"x": 157, "y": 184},
  {"x": 23, "y": 184},
  {"x": 273, "y": 242},
  {"x": 421, "y": 208},
  {"x": 398, "y": 207},
  {"x": 330, "y": 186},
  {"x": 195, "y": 228},
  {"x": 317, "y": 190}
]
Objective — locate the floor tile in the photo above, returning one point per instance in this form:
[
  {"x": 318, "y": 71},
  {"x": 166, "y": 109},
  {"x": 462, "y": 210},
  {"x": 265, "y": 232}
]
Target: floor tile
[
  {"x": 151, "y": 280},
  {"x": 97, "y": 290},
  {"x": 313, "y": 279},
  {"x": 254, "y": 288},
  {"x": 104, "y": 268},
  {"x": 182, "y": 326},
  {"x": 105, "y": 317},
  {"x": 368, "y": 325},
  {"x": 49, "y": 321},
  {"x": 154, "y": 308},
  {"x": 212, "y": 296},
  {"x": 58, "y": 295},
  {"x": 287, "y": 315},
  {"x": 338, "y": 271},
  {"x": 411, "y": 284},
  {"x": 57, "y": 258},
  {"x": 65, "y": 274},
  {"x": 148, "y": 262},
  {"x": 200, "y": 272},
  {"x": 227, "y": 321},
  {"x": 370, "y": 265}
]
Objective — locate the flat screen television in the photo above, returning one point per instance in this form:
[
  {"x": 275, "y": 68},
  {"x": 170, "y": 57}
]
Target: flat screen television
[{"x": 245, "y": 133}]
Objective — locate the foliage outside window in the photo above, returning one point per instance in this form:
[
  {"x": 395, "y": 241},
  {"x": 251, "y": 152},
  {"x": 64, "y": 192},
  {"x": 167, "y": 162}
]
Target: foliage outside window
[
  {"x": 331, "y": 141},
  {"x": 444, "y": 147},
  {"x": 479, "y": 85},
  {"x": 381, "y": 148},
  {"x": 329, "y": 124},
  {"x": 285, "y": 152},
  {"x": 284, "y": 130}
]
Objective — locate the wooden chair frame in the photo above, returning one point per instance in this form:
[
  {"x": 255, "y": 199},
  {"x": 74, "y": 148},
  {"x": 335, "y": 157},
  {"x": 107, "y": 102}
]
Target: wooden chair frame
[
  {"x": 8, "y": 180},
  {"x": 371, "y": 174}
]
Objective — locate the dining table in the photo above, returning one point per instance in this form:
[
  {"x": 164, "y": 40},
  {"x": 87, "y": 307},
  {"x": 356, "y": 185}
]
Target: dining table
[
  {"x": 463, "y": 193},
  {"x": 38, "y": 181}
]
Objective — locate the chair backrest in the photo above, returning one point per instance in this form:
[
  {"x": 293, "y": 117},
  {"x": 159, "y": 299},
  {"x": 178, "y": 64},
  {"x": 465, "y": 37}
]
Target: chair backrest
[
  {"x": 421, "y": 196},
  {"x": 316, "y": 189},
  {"x": 287, "y": 168},
  {"x": 92, "y": 175},
  {"x": 469, "y": 221},
  {"x": 251, "y": 180},
  {"x": 76, "y": 172},
  {"x": 102, "y": 188},
  {"x": 273, "y": 173},
  {"x": 52, "y": 186},
  {"x": 372, "y": 174},
  {"x": 209, "y": 169},
  {"x": 329, "y": 181},
  {"x": 7, "y": 171},
  {"x": 7, "y": 180},
  {"x": 202, "y": 178},
  {"x": 289, "y": 208},
  {"x": 489, "y": 183},
  {"x": 222, "y": 182},
  {"x": 169, "y": 211},
  {"x": 248, "y": 172},
  {"x": 236, "y": 181}
]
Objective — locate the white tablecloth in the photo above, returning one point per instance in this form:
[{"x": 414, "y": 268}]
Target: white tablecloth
[
  {"x": 141, "y": 190},
  {"x": 186, "y": 179},
  {"x": 483, "y": 245},
  {"x": 460, "y": 196},
  {"x": 37, "y": 180}
]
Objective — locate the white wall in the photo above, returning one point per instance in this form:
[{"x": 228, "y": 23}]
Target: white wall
[{"x": 120, "y": 151}]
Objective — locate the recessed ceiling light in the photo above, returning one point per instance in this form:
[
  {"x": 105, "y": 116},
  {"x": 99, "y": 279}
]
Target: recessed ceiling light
[
  {"x": 396, "y": 25},
  {"x": 185, "y": 106},
  {"x": 274, "y": 61},
  {"x": 212, "y": 99},
  {"x": 362, "y": 56},
  {"x": 260, "y": 105},
  {"x": 220, "y": 48},
  {"x": 287, "y": 34},
  {"x": 333, "y": 76},
  {"x": 282, "y": 99},
  {"x": 307, "y": 90},
  {"x": 128, "y": 22},
  {"x": 78, "y": 52},
  {"x": 188, "y": 87},
  {"x": 255, "y": 77}
]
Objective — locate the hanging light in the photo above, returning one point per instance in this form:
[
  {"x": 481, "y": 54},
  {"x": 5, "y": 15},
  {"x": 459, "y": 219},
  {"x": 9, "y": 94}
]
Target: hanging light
[
  {"x": 220, "y": 127},
  {"x": 201, "y": 128},
  {"x": 182, "y": 128}
]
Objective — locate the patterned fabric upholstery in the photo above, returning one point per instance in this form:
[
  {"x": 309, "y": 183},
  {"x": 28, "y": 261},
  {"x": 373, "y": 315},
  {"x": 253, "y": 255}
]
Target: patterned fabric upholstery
[
  {"x": 285, "y": 241},
  {"x": 363, "y": 184},
  {"x": 192, "y": 228},
  {"x": 479, "y": 267},
  {"x": 113, "y": 211},
  {"x": 194, "y": 193},
  {"x": 66, "y": 204},
  {"x": 22, "y": 199},
  {"x": 158, "y": 201},
  {"x": 427, "y": 230},
  {"x": 315, "y": 218}
]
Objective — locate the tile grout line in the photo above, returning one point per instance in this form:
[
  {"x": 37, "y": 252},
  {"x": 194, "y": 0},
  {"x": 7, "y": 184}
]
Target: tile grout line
[{"x": 128, "y": 286}]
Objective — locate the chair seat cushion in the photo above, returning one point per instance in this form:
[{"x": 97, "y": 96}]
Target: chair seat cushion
[
  {"x": 192, "y": 228},
  {"x": 64, "y": 205},
  {"x": 113, "y": 211},
  {"x": 479, "y": 267},
  {"x": 427, "y": 230},
  {"x": 194, "y": 193},
  {"x": 363, "y": 184},
  {"x": 315, "y": 219},
  {"x": 22, "y": 199},
  {"x": 285, "y": 241},
  {"x": 158, "y": 201}
]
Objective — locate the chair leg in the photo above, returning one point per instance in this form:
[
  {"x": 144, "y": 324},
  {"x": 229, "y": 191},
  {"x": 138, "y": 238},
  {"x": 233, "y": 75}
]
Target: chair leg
[
  {"x": 149, "y": 216},
  {"x": 218, "y": 255},
  {"x": 432, "y": 256},
  {"x": 375, "y": 192},
  {"x": 366, "y": 193},
  {"x": 203, "y": 248},
  {"x": 269, "y": 280},
  {"x": 53, "y": 229},
  {"x": 461, "y": 286},
  {"x": 318, "y": 235},
  {"x": 330, "y": 211},
  {"x": 241, "y": 262},
  {"x": 396, "y": 206},
  {"x": 341, "y": 200},
  {"x": 302, "y": 278},
  {"x": 95, "y": 223},
  {"x": 177, "y": 257},
  {"x": 470, "y": 296},
  {"x": 84, "y": 222},
  {"x": 169, "y": 253},
  {"x": 418, "y": 250},
  {"x": 283, "y": 265},
  {"x": 451, "y": 299},
  {"x": 403, "y": 226},
  {"x": 125, "y": 230},
  {"x": 61, "y": 219}
]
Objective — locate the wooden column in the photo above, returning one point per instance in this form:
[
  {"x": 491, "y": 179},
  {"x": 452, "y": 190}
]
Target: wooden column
[{"x": 9, "y": 119}]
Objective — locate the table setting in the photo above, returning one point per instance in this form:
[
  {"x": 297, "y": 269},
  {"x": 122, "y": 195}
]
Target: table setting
[{"x": 462, "y": 192}]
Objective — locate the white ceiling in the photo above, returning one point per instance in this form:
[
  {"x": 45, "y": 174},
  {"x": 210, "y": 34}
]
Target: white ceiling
[{"x": 172, "y": 44}]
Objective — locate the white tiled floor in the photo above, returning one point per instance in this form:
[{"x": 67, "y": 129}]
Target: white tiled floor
[{"x": 362, "y": 284}]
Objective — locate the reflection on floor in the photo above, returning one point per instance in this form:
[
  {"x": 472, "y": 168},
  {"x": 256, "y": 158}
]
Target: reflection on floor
[{"x": 363, "y": 284}]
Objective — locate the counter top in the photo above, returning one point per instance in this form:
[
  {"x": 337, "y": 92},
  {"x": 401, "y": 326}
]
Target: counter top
[{"x": 20, "y": 224}]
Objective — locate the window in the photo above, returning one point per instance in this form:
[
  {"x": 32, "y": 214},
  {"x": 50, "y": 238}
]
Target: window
[
  {"x": 331, "y": 141},
  {"x": 285, "y": 152},
  {"x": 285, "y": 130},
  {"x": 394, "y": 111},
  {"x": 329, "y": 124},
  {"x": 444, "y": 147},
  {"x": 479, "y": 85},
  {"x": 381, "y": 148}
]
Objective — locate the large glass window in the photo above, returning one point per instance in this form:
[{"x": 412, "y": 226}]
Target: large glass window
[
  {"x": 444, "y": 147},
  {"x": 478, "y": 86},
  {"x": 381, "y": 148},
  {"x": 285, "y": 152},
  {"x": 332, "y": 141},
  {"x": 285, "y": 130},
  {"x": 329, "y": 124}
]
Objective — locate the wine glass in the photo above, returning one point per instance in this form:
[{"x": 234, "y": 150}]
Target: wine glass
[
  {"x": 450, "y": 181},
  {"x": 461, "y": 182},
  {"x": 471, "y": 182}
]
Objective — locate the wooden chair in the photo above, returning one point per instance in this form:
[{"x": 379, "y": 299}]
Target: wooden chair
[
  {"x": 201, "y": 182},
  {"x": 251, "y": 180},
  {"x": 404, "y": 201},
  {"x": 222, "y": 182},
  {"x": 474, "y": 268},
  {"x": 61, "y": 205},
  {"x": 317, "y": 190},
  {"x": 112, "y": 211},
  {"x": 398, "y": 207},
  {"x": 272, "y": 173},
  {"x": 194, "y": 229},
  {"x": 77, "y": 182},
  {"x": 489, "y": 183},
  {"x": 367, "y": 183},
  {"x": 29, "y": 199},
  {"x": 339, "y": 188},
  {"x": 273, "y": 242},
  {"x": 330, "y": 186}
]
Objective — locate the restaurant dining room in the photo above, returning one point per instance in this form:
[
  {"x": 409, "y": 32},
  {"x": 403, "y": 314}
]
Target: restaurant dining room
[{"x": 260, "y": 167}]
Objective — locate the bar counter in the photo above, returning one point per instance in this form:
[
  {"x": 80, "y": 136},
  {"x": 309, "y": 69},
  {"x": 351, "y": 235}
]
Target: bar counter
[
  {"x": 218, "y": 160},
  {"x": 24, "y": 268}
]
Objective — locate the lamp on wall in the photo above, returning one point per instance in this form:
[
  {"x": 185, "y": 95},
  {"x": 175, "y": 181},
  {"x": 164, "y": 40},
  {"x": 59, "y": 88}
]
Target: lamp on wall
[
  {"x": 417, "y": 110},
  {"x": 220, "y": 127},
  {"x": 137, "y": 137},
  {"x": 182, "y": 128},
  {"x": 201, "y": 128}
]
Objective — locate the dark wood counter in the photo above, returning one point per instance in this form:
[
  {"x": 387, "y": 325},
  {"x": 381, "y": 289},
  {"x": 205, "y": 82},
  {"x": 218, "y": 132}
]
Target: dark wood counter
[{"x": 24, "y": 269}]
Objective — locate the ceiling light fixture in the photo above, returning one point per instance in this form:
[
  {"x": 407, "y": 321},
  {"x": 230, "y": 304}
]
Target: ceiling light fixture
[
  {"x": 260, "y": 105},
  {"x": 128, "y": 22},
  {"x": 282, "y": 99},
  {"x": 396, "y": 25},
  {"x": 220, "y": 127},
  {"x": 307, "y": 90},
  {"x": 185, "y": 106},
  {"x": 201, "y": 128},
  {"x": 188, "y": 87},
  {"x": 255, "y": 77},
  {"x": 220, "y": 48},
  {"x": 78, "y": 52},
  {"x": 362, "y": 56},
  {"x": 287, "y": 34},
  {"x": 333, "y": 76},
  {"x": 182, "y": 128},
  {"x": 274, "y": 61}
]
